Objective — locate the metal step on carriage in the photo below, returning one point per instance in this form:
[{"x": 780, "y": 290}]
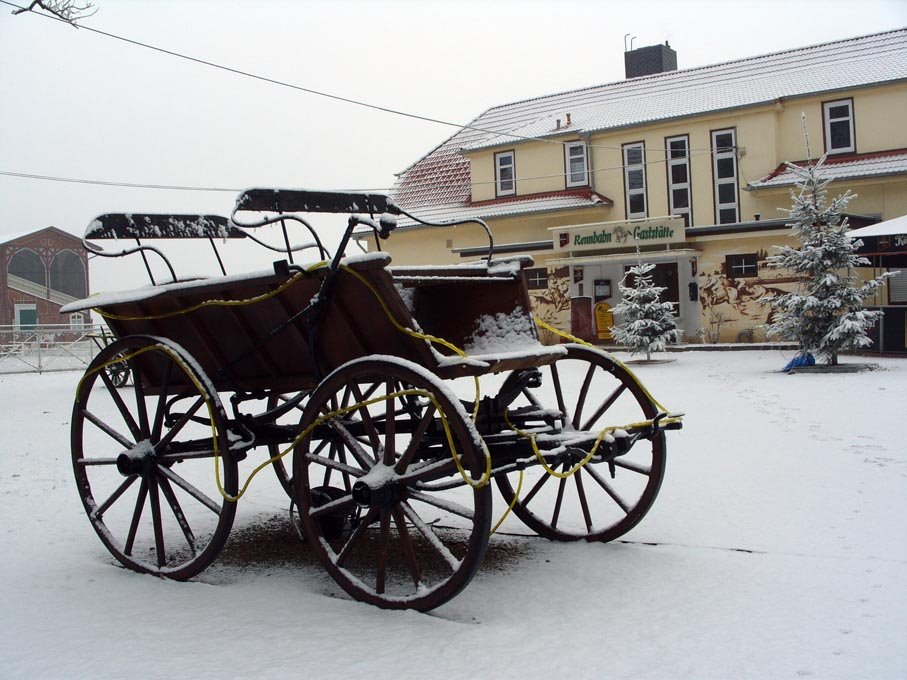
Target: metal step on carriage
[{"x": 387, "y": 399}]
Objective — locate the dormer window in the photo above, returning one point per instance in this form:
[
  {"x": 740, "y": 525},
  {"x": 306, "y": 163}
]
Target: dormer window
[
  {"x": 576, "y": 164},
  {"x": 837, "y": 118},
  {"x": 504, "y": 174}
]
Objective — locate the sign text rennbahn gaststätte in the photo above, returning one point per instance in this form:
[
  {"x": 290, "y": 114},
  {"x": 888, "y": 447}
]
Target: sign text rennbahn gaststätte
[{"x": 606, "y": 235}]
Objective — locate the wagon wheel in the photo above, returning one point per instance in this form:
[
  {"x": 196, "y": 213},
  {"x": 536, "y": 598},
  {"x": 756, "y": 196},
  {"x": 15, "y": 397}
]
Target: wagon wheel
[
  {"x": 282, "y": 466},
  {"x": 592, "y": 391},
  {"x": 143, "y": 462},
  {"x": 118, "y": 372},
  {"x": 367, "y": 483}
]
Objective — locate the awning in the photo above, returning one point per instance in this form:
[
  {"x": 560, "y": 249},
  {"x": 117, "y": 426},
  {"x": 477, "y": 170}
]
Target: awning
[
  {"x": 887, "y": 228},
  {"x": 649, "y": 256}
]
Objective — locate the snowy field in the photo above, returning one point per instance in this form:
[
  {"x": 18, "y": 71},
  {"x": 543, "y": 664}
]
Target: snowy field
[{"x": 776, "y": 549}]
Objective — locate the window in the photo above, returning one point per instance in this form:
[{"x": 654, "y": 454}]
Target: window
[
  {"x": 504, "y": 176},
  {"x": 837, "y": 118},
  {"x": 26, "y": 316},
  {"x": 537, "y": 278},
  {"x": 741, "y": 266},
  {"x": 575, "y": 161},
  {"x": 897, "y": 287},
  {"x": 678, "y": 153},
  {"x": 724, "y": 171},
  {"x": 635, "y": 179},
  {"x": 77, "y": 321}
]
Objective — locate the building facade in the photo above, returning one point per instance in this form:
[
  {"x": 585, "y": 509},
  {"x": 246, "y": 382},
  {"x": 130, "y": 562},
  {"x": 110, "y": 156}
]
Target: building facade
[
  {"x": 688, "y": 166},
  {"x": 39, "y": 273}
]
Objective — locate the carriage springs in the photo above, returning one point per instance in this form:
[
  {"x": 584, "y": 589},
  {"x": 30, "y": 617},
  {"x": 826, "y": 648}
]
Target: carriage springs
[{"x": 639, "y": 233}]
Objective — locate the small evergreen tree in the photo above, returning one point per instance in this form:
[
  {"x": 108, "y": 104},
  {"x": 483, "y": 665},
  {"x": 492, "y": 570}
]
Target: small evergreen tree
[
  {"x": 648, "y": 324},
  {"x": 825, "y": 315}
]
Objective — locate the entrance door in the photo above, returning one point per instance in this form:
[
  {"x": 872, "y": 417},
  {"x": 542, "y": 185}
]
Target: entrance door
[
  {"x": 26, "y": 317},
  {"x": 665, "y": 276}
]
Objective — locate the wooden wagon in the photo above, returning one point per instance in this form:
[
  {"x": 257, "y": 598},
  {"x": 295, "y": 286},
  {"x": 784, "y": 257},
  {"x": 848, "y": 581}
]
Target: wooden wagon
[{"x": 385, "y": 398}]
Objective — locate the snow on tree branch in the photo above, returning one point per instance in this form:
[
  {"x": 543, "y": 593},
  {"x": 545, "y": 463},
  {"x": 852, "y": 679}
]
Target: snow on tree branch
[
  {"x": 825, "y": 315},
  {"x": 648, "y": 324},
  {"x": 69, "y": 11}
]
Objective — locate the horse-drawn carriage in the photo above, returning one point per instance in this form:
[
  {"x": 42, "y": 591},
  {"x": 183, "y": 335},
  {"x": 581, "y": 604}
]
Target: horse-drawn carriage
[{"x": 386, "y": 399}]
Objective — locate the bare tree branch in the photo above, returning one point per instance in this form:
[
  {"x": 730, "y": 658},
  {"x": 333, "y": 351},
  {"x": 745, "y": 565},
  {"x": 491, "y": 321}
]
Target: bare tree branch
[{"x": 69, "y": 11}]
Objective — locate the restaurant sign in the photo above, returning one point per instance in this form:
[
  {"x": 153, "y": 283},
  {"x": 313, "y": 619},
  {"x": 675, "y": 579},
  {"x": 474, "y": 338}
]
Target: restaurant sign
[{"x": 605, "y": 235}]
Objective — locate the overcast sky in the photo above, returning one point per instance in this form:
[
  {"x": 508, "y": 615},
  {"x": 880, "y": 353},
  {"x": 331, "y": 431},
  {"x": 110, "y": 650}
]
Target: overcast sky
[{"x": 76, "y": 104}]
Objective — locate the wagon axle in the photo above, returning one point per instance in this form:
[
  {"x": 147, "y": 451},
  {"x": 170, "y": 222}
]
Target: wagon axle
[
  {"x": 137, "y": 461},
  {"x": 381, "y": 496}
]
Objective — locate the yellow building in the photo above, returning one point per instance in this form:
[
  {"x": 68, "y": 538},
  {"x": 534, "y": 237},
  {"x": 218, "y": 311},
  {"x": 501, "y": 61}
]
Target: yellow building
[{"x": 688, "y": 164}]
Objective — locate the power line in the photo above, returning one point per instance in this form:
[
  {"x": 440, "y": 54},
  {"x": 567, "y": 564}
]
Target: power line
[
  {"x": 319, "y": 93},
  {"x": 107, "y": 183},
  {"x": 176, "y": 187}
]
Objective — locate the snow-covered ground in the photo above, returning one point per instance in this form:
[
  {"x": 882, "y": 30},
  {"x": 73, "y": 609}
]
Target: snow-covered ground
[{"x": 776, "y": 549}]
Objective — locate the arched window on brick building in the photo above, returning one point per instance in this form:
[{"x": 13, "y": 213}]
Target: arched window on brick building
[
  {"x": 67, "y": 274},
  {"x": 26, "y": 264}
]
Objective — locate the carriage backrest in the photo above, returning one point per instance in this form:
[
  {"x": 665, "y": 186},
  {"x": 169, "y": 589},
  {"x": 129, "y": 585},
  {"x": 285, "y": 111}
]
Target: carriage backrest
[
  {"x": 306, "y": 201},
  {"x": 143, "y": 226}
]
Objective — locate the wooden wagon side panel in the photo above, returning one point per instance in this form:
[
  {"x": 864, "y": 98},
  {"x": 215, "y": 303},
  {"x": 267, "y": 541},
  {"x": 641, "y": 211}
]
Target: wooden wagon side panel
[{"x": 262, "y": 342}]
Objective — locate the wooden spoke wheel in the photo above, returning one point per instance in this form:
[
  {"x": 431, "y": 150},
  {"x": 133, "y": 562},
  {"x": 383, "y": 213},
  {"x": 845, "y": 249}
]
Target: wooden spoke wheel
[
  {"x": 590, "y": 391},
  {"x": 283, "y": 466},
  {"x": 118, "y": 372},
  {"x": 377, "y": 485},
  {"x": 144, "y": 459}
]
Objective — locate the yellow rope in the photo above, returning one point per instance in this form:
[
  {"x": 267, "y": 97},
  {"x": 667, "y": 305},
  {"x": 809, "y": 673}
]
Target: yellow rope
[
  {"x": 484, "y": 480},
  {"x": 211, "y": 303},
  {"x": 579, "y": 341},
  {"x": 516, "y": 496}
]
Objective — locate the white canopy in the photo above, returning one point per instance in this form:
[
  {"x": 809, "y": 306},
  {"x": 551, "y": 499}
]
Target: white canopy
[{"x": 887, "y": 228}]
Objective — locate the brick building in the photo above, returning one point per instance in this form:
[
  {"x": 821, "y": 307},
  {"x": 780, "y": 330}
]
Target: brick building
[{"x": 40, "y": 272}]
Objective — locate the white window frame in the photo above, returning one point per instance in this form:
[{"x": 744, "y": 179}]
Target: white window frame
[
  {"x": 569, "y": 149},
  {"x": 721, "y": 181},
  {"x": 628, "y": 168},
  {"x": 827, "y": 121},
  {"x": 678, "y": 186},
  {"x": 77, "y": 321},
  {"x": 500, "y": 182}
]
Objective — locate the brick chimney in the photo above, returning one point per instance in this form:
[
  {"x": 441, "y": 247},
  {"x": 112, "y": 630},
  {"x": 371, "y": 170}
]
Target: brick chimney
[{"x": 645, "y": 61}]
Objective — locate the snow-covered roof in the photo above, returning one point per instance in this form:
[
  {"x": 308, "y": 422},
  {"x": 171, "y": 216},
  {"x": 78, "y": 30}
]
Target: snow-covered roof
[
  {"x": 437, "y": 186},
  {"x": 853, "y": 166},
  {"x": 887, "y": 228}
]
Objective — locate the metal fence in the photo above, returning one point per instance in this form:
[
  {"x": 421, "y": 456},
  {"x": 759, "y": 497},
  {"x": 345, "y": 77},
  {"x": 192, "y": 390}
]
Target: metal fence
[{"x": 49, "y": 348}]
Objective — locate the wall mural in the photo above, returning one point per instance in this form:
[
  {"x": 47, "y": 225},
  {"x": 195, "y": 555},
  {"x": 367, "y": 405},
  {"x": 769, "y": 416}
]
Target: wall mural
[
  {"x": 731, "y": 311},
  {"x": 552, "y": 304}
]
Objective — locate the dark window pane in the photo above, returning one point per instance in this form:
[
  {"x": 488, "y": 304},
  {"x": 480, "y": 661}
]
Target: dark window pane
[
  {"x": 507, "y": 173},
  {"x": 634, "y": 155},
  {"x": 637, "y": 204},
  {"x": 577, "y": 151},
  {"x": 537, "y": 278},
  {"x": 727, "y": 193},
  {"x": 842, "y": 111},
  {"x": 727, "y": 216},
  {"x": 681, "y": 198},
  {"x": 740, "y": 266},
  {"x": 678, "y": 148},
  {"x": 725, "y": 168},
  {"x": 724, "y": 141},
  {"x": 678, "y": 174},
  {"x": 634, "y": 179},
  {"x": 840, "y": 135}
]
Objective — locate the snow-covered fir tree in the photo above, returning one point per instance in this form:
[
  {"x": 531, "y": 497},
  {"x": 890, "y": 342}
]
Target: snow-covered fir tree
[
  {"x": 648, "y": 324},
  {"x": 825, "y": 315}
]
